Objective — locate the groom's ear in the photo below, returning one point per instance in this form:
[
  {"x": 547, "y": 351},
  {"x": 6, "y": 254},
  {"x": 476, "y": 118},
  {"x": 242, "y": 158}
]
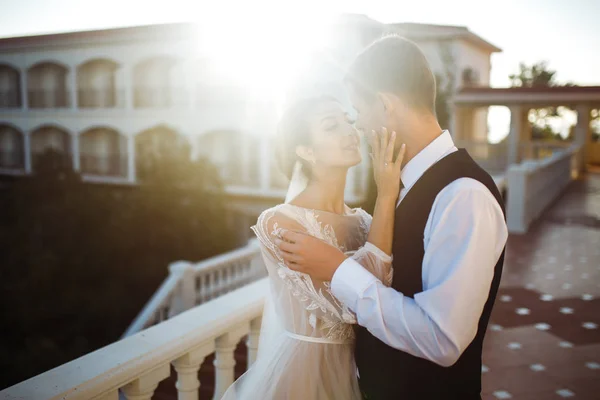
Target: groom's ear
[{"x": 389, "y": 101}]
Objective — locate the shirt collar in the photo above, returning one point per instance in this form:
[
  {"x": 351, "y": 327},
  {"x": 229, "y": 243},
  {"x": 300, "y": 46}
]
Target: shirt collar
[{"x": 431, "y": 154}]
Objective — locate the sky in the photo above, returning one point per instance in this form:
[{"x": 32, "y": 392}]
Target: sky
[{"x": 566, "y": 34}]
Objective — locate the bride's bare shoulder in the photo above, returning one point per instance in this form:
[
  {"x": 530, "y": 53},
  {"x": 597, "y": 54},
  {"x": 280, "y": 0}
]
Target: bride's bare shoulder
[{"x": 281, "y": 216}]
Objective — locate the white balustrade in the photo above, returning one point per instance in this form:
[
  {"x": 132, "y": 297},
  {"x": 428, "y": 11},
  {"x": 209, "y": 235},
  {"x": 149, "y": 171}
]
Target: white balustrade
[
  {"x": 136, "y": 364},
  {"x": 252, "y": 341},
  {"x": 143, "y": 387},
  {"x": 534, "y": 185},
  {"x": 187, "y": 367},
  {"x": 224, "y": 360},
  {"x": 192, "y": 284}
]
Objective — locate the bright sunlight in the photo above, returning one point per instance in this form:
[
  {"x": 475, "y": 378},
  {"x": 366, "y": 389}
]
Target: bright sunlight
[{"x": 269, "y": 54}]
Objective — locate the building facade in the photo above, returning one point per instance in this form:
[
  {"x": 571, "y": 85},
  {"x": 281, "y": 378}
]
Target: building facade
[{"x": 93, "y": 96}]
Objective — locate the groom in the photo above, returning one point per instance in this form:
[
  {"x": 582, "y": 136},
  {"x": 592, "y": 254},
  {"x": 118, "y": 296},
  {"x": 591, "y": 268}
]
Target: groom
[{"x": 422, "y": 337}]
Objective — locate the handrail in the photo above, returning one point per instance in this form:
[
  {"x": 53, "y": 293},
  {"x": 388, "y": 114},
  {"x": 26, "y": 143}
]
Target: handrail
[
  {"x": 185, "y": 286},
  {"x": 534, "y": 184}
]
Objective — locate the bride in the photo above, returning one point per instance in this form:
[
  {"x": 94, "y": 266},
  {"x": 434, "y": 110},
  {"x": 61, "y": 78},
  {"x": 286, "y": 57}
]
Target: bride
[{"x": 306, "y": 343}]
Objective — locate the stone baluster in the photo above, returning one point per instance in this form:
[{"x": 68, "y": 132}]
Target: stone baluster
[
  {"x": 224, "y": 360},
  {"x": 212, "y": 284},
  {"x": 252, "y": 341},
  {"x": 143, "y": 387},
  {"x": 221, "y": 281},
  {"x": 202, "y": 288},
  {"x": 187, "y": 367}
]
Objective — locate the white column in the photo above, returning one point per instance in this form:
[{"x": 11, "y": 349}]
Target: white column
[
  {"x": 27, "y": 152},
  {"x": 131, "y": 177},
  {"x": 73, "y": 87},
  {"x": 265, "y": 163},
  {"x": 75, "y": 152},
  {"x": 128, "y": 87},
  {"x": 252, "y": 341},
  {"x": 461, "y": 124},
  {"x": 187, "y": 367},
  {"x": 582, "y": 134},
  {"x": 583, "y": 124},
  {"x": 516, "y": 122},
  {"x": 24, "y": 91},
  {"x": 143, "y": 387},
  {"x": 224, "y": 364}
]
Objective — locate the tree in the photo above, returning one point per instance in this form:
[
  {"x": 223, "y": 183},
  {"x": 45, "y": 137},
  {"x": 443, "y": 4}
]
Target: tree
[
  {"x": 80, "y": 260},
  {"x": 535, "y": 76}
]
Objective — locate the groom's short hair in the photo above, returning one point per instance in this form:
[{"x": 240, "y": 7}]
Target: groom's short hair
[{"x": 395, "y": 65}]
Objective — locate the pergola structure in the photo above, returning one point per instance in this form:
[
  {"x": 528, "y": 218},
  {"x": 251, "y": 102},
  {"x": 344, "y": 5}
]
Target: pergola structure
[{"x": 582, "y": 99}]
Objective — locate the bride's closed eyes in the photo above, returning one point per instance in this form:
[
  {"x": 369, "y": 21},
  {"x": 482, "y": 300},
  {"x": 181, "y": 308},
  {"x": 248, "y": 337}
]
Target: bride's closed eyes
[{"x": 331, "y": 123}]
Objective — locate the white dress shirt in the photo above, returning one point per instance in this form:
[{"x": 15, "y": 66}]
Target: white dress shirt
[{"x": 463, "y": 240}]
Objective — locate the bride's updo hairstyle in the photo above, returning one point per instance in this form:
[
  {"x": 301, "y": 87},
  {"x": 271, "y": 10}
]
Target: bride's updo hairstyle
[{"x": 294, "y": 130}]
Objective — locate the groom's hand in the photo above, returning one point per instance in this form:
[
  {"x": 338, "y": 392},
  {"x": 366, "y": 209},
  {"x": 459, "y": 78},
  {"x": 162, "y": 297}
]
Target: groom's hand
[{"x": 305, "y": 253}]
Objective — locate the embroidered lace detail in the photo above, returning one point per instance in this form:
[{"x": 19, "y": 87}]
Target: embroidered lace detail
[
  {"x": 334, "y": 318},
  {"x": 365, "y": 222}
]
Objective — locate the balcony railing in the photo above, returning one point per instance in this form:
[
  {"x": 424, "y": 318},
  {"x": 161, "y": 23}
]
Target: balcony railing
[
  {"x": 10, "y": 99},
  {"x": 189, "y": 284},
  {"x": 137, "y": 364},
  {"x": 540, "y": 149},
  {"x": 98, "y": 98},
  {"x": 108, "y": 165},
  {"x": 534, "y": 184},
  {"x": 160, "y": 97},
  {"x": 48, "y": 98}
]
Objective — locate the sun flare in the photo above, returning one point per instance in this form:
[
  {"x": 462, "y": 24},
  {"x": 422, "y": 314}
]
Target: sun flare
[{"x": 263, "y": 53}]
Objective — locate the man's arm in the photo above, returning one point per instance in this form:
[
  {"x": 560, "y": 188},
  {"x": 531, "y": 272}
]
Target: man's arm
[{"x": 468, "y": 234}]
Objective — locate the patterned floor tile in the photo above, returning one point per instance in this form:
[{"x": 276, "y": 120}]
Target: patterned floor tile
[{"x": 543, "y": 341}]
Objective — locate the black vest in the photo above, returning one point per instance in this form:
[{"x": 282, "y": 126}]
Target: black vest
[{"x": 387, "y": 373}]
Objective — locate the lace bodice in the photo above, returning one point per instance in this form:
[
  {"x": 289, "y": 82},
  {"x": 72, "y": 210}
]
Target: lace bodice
[{"x": 305, "y": 306}]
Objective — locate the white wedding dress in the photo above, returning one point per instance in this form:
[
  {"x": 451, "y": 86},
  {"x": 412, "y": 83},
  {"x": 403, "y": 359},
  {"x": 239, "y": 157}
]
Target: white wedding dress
[{"x": 306, "y": 342}]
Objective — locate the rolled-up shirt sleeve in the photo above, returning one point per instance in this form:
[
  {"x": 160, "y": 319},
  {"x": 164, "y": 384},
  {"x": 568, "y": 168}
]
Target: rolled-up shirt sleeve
[{"x": 465, "y": 236}]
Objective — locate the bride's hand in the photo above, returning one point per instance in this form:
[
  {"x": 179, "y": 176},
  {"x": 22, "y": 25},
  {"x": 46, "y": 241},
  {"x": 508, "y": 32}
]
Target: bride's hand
[{"x": 385, "y": 170}]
